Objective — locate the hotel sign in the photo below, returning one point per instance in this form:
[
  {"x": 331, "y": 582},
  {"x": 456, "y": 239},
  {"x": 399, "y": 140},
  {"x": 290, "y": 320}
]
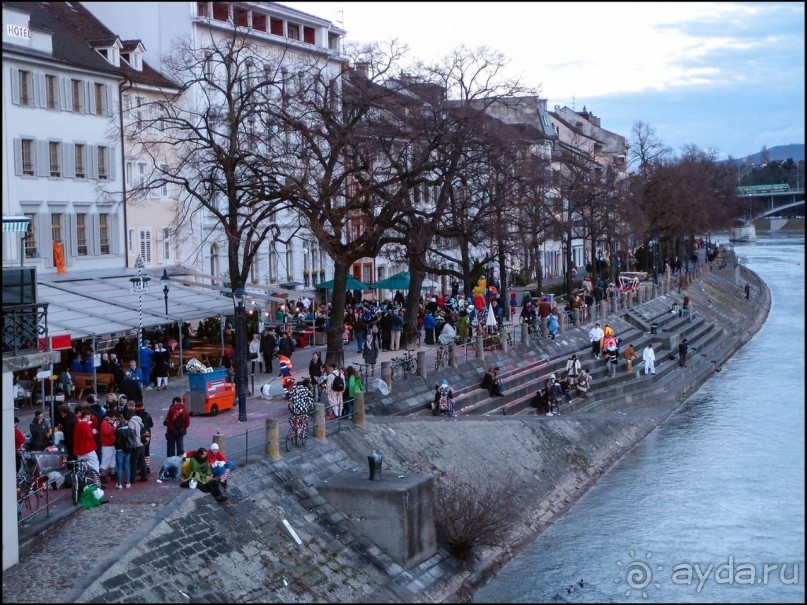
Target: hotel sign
[{"x": 18, "y": 31}]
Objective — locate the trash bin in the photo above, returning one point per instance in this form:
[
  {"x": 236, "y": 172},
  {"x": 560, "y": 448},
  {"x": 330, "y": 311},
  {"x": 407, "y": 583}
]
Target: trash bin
[{"x": 654, "y": 328}]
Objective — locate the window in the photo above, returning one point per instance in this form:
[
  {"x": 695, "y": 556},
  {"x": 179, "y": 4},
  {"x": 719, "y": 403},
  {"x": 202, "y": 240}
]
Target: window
[
  {"x": 51, "y": 91},
  {"x": 241, "y": 16},
  {"x": 139, "y": 111},
  {"x": 309, "y": 36},
  {"x": 164, "y": 186},
  {"x": 214, "y": 259},
  {"x": 78, "y": 95},
  {"x": 276, "y": 26},
  {"x": 208, "y": 68},
  {"x": 259, "y": 22},
  {"x": 103, "y": 232},
  {"x": 28, "y": 157},
  {"x": 141, "y": 174},
  {"x": 128, "y": 173},
  {"x": 221, "y": 11},
  {"x": 202, "y": 9},
  {"x": 80, "y": 173},
  {"x": 145, "y": 244},
  {"x": 55, "y": 152},
  {"x": 81, "y": 234},
  {"x": 30, "y": 237},
  {"x": 293, "y": 32},
  {"x": 56, "y": 227},
  {"x": 26, "y": 90},
  {"x": 166, "y": 243},
  {"x": 100, "y": 100},
  {"x": 103, "y": 158}
]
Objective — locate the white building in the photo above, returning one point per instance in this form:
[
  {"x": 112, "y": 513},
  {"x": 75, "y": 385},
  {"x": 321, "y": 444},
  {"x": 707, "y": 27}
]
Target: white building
[{"x": 276, "y": 30}]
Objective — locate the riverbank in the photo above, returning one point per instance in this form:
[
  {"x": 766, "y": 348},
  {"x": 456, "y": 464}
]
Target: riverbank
[{"x": 240, "y": 553}]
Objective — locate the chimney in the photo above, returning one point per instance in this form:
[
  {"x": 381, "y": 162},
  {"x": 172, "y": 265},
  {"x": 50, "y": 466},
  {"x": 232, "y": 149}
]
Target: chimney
[{"x": 363, "y": 67}]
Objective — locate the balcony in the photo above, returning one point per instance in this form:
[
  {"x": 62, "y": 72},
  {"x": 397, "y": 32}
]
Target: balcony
[{"x": 24, "y": 327}]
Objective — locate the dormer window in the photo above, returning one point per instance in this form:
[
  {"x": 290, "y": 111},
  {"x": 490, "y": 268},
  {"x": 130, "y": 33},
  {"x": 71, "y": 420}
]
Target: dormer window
[
  {"x": 133, "y": 59},
  {"x": 111, "y": 54}
]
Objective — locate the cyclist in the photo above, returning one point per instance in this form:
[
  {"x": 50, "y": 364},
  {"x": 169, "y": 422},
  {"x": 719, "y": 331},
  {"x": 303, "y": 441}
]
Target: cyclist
[
  {"x": 443, "y": 400},
  {"x": 301, "y": 403}
]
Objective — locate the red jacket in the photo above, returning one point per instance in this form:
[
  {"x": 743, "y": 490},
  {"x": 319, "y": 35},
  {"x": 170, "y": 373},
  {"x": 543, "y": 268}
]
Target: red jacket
[
  {"x": 19, "y": 439},
  {"x": 177, "y": 409},
  {"x": 83, "y": 439},
  {"x": 107, "y": 433}
]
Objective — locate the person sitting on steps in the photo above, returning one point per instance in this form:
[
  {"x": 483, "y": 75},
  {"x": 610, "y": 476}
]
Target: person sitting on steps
[{"x": 493, "y": 383}]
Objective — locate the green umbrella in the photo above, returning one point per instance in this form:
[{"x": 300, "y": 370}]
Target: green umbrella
[
  {"x": 399, "y": 281},
  {"x": 352, "y": 284}
]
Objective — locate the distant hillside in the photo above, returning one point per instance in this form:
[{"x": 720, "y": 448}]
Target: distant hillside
[{"x": 780, "y": 152}]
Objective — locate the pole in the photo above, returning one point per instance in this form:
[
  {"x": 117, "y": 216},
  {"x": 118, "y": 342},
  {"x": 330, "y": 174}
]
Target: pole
[
  {"x": 139, "y": 265},
  {"x": 240, "y": 329}
]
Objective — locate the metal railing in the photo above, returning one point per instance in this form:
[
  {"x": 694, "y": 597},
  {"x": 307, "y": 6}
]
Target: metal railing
[{"x": 23, "y": 328}]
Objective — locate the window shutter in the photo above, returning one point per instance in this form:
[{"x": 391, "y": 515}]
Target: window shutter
[
  {"x": 46, "y": 239},
  {"x": 110, "y": 163},
  {"x": 66, "y": 94},
  {"x": 68, "y": 160},
  {"x": 39, "y": 91},
  {"x": 15, "y": 86},
  {"x": 93, "y": 235},
  {"x": 42, "y": 159},
  {"x": 18, "y": 156},
  {"x": 92, "y": 161},
  {"x": 88, "y": 96},
  {"x": 108, "y": 93},
  {"x": 91, "y": 98},
  {"x": 70, "y": 224},
  {"x": 115, "y": 238}
]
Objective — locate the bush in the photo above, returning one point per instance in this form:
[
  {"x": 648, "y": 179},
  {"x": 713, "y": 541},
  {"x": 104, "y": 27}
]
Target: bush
[{"x": 474, "y": 510}]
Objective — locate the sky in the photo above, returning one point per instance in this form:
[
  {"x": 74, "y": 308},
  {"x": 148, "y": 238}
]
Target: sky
[{"x": 727, "y": 77}]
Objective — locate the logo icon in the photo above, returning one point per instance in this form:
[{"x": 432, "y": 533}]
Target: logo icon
[{"x": 638, "y": 574}]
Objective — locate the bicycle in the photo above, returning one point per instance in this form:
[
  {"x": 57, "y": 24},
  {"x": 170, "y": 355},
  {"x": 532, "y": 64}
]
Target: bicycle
[
  {"x": 80, "y": 475},
  {"x": 298, "y": 430},
  {"x": 441, "y": 358},
  {"x": 29, "y": 483},
  {"x": 364, "y": 372},
  {"x": 403, "y": 367}
]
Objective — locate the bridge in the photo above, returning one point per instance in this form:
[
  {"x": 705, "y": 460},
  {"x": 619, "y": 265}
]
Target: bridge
[{"x": 770, "y": 200}]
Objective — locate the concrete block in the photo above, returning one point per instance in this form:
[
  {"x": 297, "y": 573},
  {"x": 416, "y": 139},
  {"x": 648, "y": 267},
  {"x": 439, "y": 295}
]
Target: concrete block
[{"x": 397, "y": 514}]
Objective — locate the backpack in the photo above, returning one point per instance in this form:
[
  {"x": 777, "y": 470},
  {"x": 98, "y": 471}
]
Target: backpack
[
  {"x": 442, "y": 405},
  {"x": 338, "y": 383},
  {"x": 179, "y": 421},
  {"x": 125, "y": 439}
]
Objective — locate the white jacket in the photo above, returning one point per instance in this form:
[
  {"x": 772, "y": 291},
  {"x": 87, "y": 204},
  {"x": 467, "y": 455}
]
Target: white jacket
[
  {"x": 648, "y": 354},
  {"x": 596, "y": 334}
]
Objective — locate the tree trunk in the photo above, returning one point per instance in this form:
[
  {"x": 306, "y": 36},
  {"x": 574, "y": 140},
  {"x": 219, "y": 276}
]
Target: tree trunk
[
  {"x": 334, "y": 355},
  {"x": 416, "y": 276}
]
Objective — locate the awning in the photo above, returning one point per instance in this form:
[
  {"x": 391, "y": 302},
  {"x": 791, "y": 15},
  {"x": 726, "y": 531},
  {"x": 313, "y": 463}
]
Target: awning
[
  {"x": 15, "y": 224},
  {"x": 102, "y": 306}
]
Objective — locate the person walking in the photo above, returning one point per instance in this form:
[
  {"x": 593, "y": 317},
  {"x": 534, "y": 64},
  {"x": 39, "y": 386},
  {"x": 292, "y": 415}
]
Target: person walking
[
  {"x": 146, "y": 353},
  {"x": 370, "y": 353},
  {"x": 747, "y": 290},
  {"x": 315, "y": 374},
  {"x": 573, "y": 367},
  {"x": 649, "y": 358},
  {"x": 396, "y": 327},
  {"x": 162, "y": 361},
  {"x": 255, "y": 353},
  {"x": 336, "y": 378},
  {"x": 630, "y": 354},
  {"x": 268, "y": 346}
]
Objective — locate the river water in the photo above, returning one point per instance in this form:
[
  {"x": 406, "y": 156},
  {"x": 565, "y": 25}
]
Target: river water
[{"x": 710, "y": 506}]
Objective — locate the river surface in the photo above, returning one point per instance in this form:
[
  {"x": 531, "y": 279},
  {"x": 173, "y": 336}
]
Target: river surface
[{"x": 698, "y": 509}]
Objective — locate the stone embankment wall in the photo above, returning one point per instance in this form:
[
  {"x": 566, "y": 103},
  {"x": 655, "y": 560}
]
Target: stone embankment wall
[{"x": 204, "y": 552}]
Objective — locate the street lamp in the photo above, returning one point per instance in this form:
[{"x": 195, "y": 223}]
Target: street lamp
[
  {"x": 140, "y": 285},
  {"x": 166, "y": 281},
  {"x": 239, "y": 297}
]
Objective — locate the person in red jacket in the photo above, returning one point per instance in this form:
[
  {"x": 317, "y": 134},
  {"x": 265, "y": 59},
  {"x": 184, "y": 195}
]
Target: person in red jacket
[
  {"x": 219, "y": 464},
  {"x": 19, "y": 441},
  {"x": 84, "y": 445},
  {"x": 108, "y": 426},
  {"x": 177, "y": 420}
]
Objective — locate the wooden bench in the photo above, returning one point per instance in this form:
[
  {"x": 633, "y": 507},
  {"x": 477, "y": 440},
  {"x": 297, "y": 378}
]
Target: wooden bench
[{"x": 83, "y": 382}]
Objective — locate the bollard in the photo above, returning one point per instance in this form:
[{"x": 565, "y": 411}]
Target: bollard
[
  {"x": 603, "y": 309},
  {"x": 272, "y": 438},
  {"x": 525, "y": 334},
  {"x": 503, "y": 339},
  {"x": 480, "y": 346},
  {"x": 319, "y": 421},
  {"x": 222, "y": 441},
  {"x": 613, "y": 303},
  {"x": 561, "y": 322},
  {"x": 576, "y": 315},
  {"x": 386, "y": 373},
  {"x": 422, "y": 364},
  {"x": 590, "y": 313},
  {"x": 375, "y": 461},
  {"x": 543, "y": 326},
  {"x": 452, "y": 356},
  {"x": 358, "y": 409}
]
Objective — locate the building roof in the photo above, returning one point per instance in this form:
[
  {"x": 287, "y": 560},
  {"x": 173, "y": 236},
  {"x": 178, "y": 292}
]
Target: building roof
[{"x": 76, "y": 32}]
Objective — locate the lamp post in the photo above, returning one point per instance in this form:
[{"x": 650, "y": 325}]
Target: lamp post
[
  {"x": 166, "y": 281},
  {"x": 567, "y": 276},
  {"x": 239, "y": 296}
]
